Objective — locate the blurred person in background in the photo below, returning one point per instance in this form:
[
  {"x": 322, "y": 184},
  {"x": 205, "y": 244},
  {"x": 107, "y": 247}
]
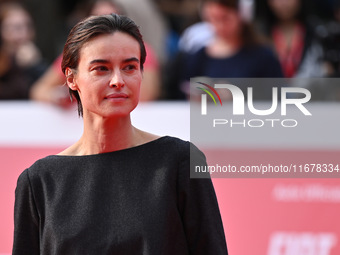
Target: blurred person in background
[
  {"x": 179, "y": 14},
  {"x": 21, "y": 63},
  {"x": 286, "y": 24},
  {"x": 49, "y": 88},
  {"x": 201, "y": 33},
  {"x": 235, "y": 51},
  {"x": 329, "y": 35},
  {"x": 152, "y": 23}
]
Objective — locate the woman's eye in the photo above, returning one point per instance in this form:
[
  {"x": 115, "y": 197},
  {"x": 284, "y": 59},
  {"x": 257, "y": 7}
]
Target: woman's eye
[
  {"x": 100, "y": 68},
  {"x": 130, "y": 67}
]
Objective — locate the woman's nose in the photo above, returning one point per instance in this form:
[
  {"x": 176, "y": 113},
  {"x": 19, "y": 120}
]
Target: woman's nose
[{"x": 117, "y": 80}]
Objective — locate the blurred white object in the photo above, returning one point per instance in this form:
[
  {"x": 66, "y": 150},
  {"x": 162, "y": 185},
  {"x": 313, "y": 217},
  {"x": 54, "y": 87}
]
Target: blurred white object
[
  {"x": 196, "y": 37},
  {"x": 42, "y": 124},
  {"x": 247, "y": 9}
]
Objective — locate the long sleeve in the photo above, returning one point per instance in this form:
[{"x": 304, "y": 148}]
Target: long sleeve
[
  {"x": 199, "y": 210},
  {"x": 26, "y": 220}
]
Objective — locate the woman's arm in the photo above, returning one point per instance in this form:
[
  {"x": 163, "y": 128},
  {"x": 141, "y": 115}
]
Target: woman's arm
[
  {"x": 199, "y": 210},
  {"x": 26, "y": 219}
]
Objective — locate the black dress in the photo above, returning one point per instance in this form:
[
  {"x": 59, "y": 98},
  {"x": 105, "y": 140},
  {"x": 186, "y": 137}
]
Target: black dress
[{"x": 139, "y": 200}]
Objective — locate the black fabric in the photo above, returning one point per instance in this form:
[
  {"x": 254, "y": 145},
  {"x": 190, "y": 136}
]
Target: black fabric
[
  {"x": 139, "y": 200},
  {"x": 249, "y": 62},
  {"x": 16, "y": 82}
]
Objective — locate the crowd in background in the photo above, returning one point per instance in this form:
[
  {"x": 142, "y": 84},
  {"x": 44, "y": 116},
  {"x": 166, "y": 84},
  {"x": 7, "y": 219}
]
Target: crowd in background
[{"x": 184, "y": 39}]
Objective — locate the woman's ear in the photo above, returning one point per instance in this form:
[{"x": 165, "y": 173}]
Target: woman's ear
[{"x": 70, "y": 79}]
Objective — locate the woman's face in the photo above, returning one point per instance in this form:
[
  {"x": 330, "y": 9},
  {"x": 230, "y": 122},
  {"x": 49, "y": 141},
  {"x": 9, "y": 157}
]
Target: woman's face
[
  {"x": 16, "y": 28},
  {"x": 108, "y": 77},
  {"x": 285, "y": 9},
  {"x": 225, "y": 21},
  {"x": 103, "y": 7}
]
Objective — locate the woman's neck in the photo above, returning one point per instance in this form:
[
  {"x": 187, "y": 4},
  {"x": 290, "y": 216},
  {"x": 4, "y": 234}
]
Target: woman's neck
[
  {"x": 106, "y": 135},
  {"x": 102, "y": 135},
  {"x": 222, "y": 47},
  {"x": 289, "y": 30},
  {"x": 287, "y": 26}
]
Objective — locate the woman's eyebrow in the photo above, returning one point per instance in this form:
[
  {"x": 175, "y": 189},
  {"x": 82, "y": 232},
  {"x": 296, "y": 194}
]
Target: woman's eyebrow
[
  {"x": 104, "y": 61},
  {"x": 133, "y": 59}
]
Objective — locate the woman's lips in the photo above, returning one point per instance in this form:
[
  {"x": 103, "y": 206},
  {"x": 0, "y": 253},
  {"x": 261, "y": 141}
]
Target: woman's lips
[{"x": 117, "y": 96}]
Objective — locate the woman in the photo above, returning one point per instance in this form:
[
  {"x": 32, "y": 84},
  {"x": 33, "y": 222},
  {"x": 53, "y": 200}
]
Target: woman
[
  {"x": 21, "y": 63},
  {"x": 118, "y": 190},
  {"x": 235, "y": 51},
  {"x": 286, "y": 24}
]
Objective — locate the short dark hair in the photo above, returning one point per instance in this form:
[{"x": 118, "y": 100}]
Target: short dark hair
[
  {"x": 92, "y": 27},
  {"x": 233, "y": 4},
  {"x": 249, "y": 35}
]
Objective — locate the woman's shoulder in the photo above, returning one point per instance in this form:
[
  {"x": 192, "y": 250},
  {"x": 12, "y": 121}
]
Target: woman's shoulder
[
  {"x": 170, "y": 148},
  {"x": 175, "y": 141},
  {"x": 185, "y": 150},
  {"x": 34, "y": 171},
  {"x": 42, "y": 163},
  {"x": 175, "y": 148},
  {"x": 178, "y": 143},
  {"x": 171, "y": 144},
  {"x": 146, "y": 140}
]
